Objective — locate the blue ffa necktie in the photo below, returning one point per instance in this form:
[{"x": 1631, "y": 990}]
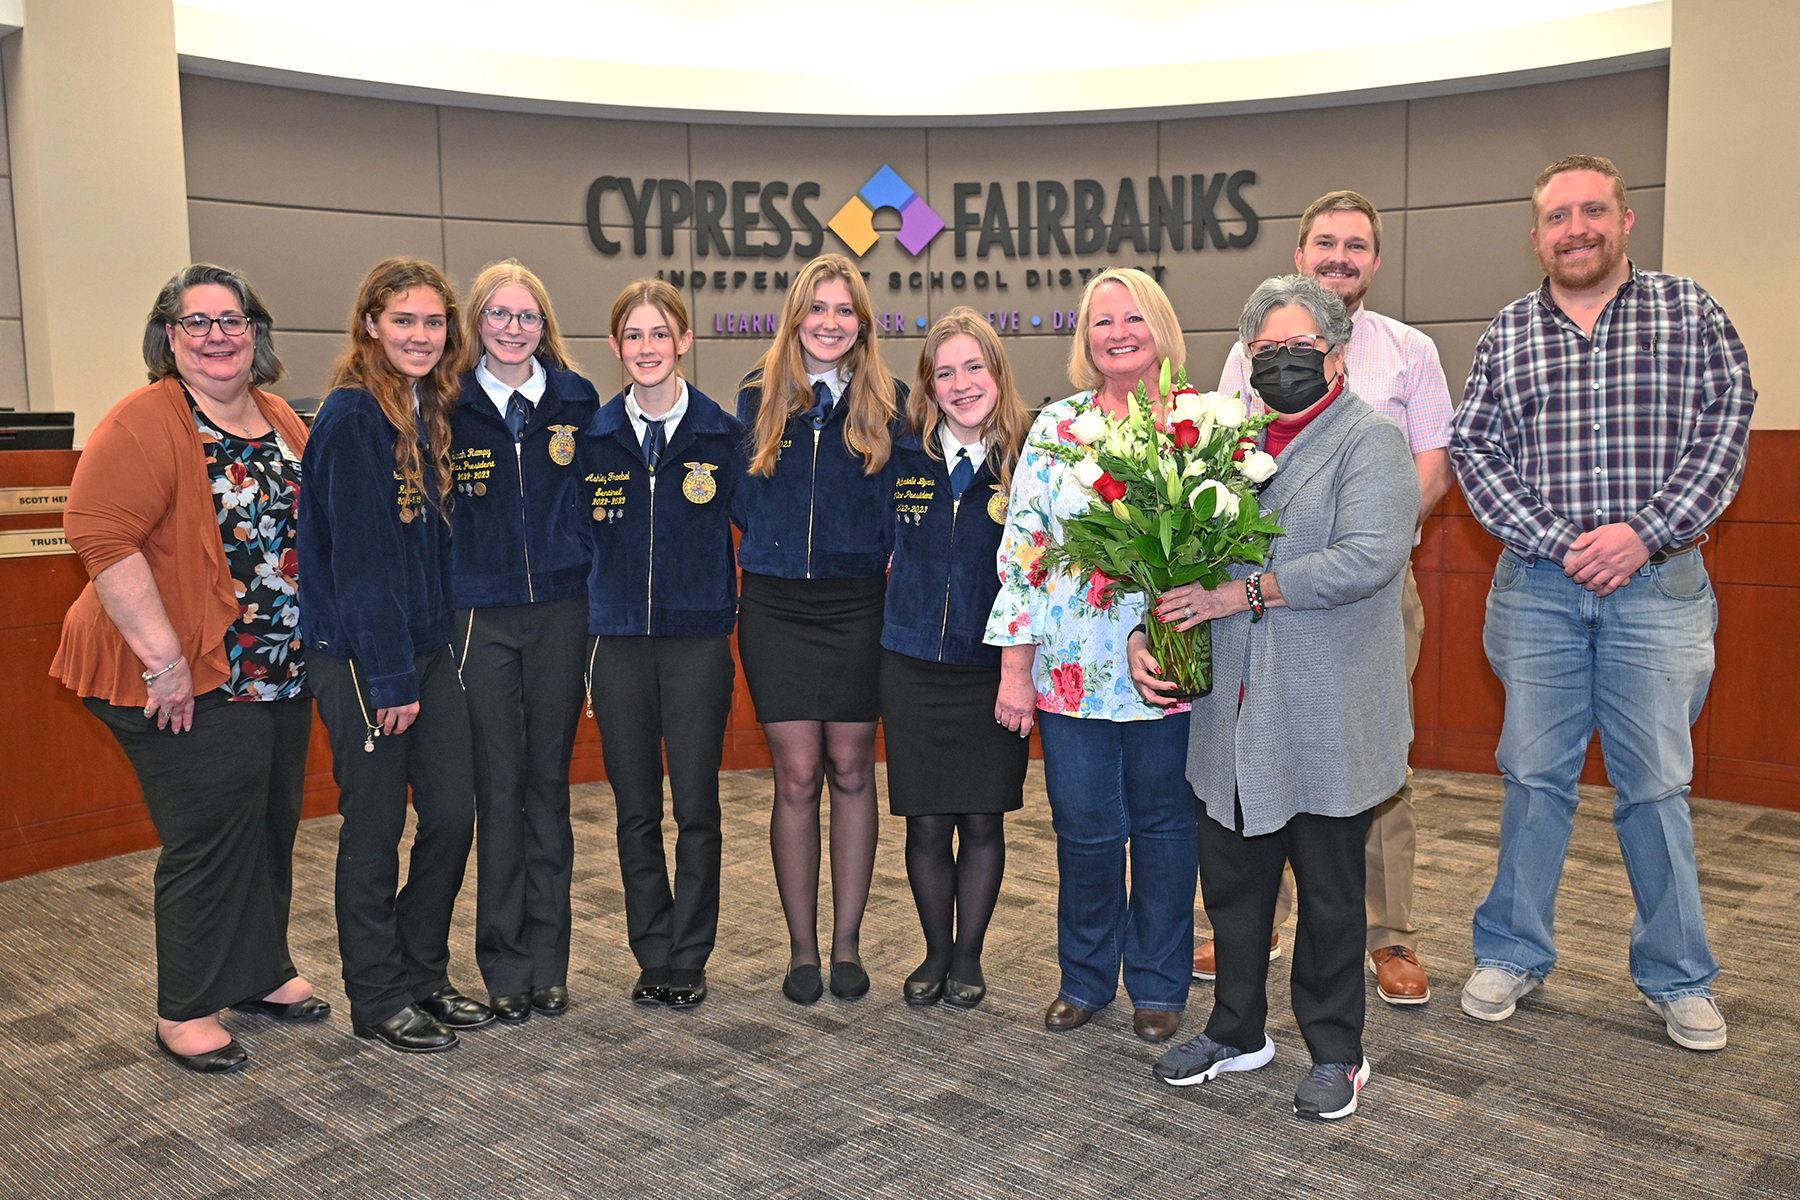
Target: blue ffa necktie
[
  {"x": 516, "y": 415},
  {"x": 961, "y": 475},
  {"x": 821, "y": 408},
  {"x": 655, "y": 441}
]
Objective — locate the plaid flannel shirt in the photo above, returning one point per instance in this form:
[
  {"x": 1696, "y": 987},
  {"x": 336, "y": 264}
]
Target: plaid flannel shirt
[{"x": 1645, "y": 422}]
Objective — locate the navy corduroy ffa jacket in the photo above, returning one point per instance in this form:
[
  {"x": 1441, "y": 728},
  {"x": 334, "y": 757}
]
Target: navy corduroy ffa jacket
[
  {"x": 519, "y": 512},
  {"x": 663, "y": 560},
  {"x": 820, "y": 515},
  {"x": 374, "y": 553},
  {"x": 943, "y": 580}
]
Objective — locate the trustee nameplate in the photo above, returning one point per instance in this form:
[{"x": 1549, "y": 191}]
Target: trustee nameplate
[
  {"x": 33, "y": 499},
  {"x": 25, "y": 543}
]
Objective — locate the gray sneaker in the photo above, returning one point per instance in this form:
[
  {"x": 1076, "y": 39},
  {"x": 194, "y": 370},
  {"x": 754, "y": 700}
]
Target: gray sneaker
[
  {"x": 1493, "y": 992},
  {"x": 1331, "y": 1091},
  {"x": 1692, "y": 1021},
  {"x": 1201, "y": 1059}
]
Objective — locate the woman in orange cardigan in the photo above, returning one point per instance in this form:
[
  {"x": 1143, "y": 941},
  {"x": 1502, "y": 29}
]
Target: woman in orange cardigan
[{"x": 186, "y": 647}]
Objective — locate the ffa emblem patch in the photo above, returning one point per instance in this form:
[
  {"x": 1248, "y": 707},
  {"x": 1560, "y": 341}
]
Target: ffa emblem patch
[
  {"x": 997, "y": 505},
  {"x": 700, "y": 486},
  {"x": 562, "y": 444},
  {"x": 480, "y": 489}
]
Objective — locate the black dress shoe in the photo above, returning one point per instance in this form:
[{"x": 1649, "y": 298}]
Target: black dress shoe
[
  {"x": 456, "y": 1010},
  {"x": 648, "y": 989},
  {"x": 963, "y": 995},
  {"x": 552, "y": 1001},
  {"x": 411, "y": 1031},
  {"x": 685, "y": 989},
  {"x": 803, "y": 985},
  {"x": 514, "y": 1009},
  {"x": 848, "y": 980},
  {"x": 310, "y": 1009},
  {"x": 228, "y": 1057}
]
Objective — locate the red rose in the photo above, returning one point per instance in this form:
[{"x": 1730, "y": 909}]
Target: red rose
[
  {"x": 1244, "y": 446},
  {"x": 1099, "y": 592},
  {"x": 1066, "y": 681},
  {"x": 1185, "y": 435},
  {"x": 1109, "y": 488}
]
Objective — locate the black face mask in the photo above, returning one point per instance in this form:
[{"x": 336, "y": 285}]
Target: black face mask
[{"x": 1290, "y": 381}]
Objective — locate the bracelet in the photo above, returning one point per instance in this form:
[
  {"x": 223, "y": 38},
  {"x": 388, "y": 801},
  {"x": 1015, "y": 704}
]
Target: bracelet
[
  {"x": 1142, "y": 627},
  {"x": 1253, "y": 593},
  {"x": 153, "y": 676}
]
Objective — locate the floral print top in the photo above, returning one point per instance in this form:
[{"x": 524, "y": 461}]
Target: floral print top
[
  {"x": 1081, "y": 668},
  {"x": 256, "y": 482}
]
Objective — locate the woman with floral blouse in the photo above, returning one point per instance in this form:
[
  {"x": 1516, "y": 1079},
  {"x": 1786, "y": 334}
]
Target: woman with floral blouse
[{"x": 1113, "y": 765}]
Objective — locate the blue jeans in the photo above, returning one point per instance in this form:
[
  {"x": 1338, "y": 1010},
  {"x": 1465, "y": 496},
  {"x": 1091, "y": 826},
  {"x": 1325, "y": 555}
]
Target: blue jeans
[
  {"x": 1636, "y": 664},
  {"x": 1113, "y": 783}
]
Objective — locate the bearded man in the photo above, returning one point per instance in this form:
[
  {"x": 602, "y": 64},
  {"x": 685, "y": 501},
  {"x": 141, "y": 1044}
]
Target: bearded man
[{"x": 1602, "y": 433}]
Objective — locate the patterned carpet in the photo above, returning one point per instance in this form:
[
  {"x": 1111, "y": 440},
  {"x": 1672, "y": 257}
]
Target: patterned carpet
[{"x": 1580, "y": 1094}]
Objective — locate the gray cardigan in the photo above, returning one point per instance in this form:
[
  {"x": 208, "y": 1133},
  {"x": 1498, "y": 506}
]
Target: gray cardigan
[{"x": 1326, "y": 720}]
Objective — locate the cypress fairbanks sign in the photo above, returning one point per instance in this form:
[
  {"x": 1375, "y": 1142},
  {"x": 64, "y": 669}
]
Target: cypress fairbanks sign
[{"x": 754, "y": 223}]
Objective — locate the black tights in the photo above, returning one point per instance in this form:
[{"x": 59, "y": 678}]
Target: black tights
[
  {"x": 955, "y": 890},
  {"x": 804, "y": 754}
]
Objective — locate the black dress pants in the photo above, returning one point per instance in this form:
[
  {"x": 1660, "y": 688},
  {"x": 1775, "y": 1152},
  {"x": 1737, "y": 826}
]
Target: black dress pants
[
  {"x": 225, "y": 800},
  {"x": 521, "y": 670},
  {"x": 1239, "y": 877},
  {"x": 395, "y": 941},
  {"x": 650, "y": 693}
]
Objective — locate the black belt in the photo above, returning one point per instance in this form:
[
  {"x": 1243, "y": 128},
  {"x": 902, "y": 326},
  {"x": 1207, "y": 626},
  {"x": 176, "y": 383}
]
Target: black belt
[{"x": 1668, "y": 552}]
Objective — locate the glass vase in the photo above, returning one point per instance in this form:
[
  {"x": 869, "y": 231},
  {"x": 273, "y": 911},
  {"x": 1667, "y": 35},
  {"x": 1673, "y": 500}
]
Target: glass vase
[{"x": 1184, "y": 655}]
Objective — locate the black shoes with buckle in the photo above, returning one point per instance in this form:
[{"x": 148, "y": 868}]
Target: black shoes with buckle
[{"x": 450, "y": 1007}]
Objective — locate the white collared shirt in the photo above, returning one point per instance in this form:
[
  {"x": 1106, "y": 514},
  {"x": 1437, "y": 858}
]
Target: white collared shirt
[
  {"x": 950, "y": 446},
  {"x": 669, "y": 420},
  {"x": 833, "y": 379},
  {"x": 532, "y": 389}
]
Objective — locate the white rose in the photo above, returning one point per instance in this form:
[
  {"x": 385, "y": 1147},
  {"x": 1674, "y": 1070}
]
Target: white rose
[
  {"x": 1090, "y": 426},
  {"x": 1190, "y": 406},
  {"x": 1257, "y": 466},
  {"x": 1225, "y": 503},
  {"x": 1230, "y": 411},
  {"x": 1216, "y": 495},
  {"x": 1087, "y": 470}
]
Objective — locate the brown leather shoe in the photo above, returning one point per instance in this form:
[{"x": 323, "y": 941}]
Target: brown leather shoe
[
  {"x": 1155, "y": 1024},
  {"x": 1399, "y": 979},
  {"x": 1062, "y": 1016},
  {"x": 1206, "y": 964}
]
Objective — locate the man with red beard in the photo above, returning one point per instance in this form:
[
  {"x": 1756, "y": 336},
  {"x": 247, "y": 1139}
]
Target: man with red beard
[
  {"x": 1602, "y": 433},
  {"x": 1396, "y": 369}
]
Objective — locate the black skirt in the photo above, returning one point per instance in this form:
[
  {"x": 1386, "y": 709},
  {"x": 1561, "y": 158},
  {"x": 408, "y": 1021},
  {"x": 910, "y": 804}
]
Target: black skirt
[
  {"x": 811, "y": 648},
  {"x": 945, "y": 751}
]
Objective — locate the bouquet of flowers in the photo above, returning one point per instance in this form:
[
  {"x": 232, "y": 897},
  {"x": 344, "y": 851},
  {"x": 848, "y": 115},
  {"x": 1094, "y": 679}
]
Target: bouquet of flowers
[{"x": 1174, "y": 486}]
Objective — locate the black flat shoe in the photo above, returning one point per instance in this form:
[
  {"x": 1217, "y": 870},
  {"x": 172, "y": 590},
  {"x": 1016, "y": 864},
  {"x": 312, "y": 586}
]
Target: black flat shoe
[
  {"x": 514, "y": 1009},
  {"x": 410, "y": 1031},
  {"x": 450, "y": 1007},
  {"x": 963, "y": 995},
  {"x": 650, "y": 985},
  {"x": 922, "y": 993},
  {"x": 552, "y": 1001},
  {"x": 848, "y": 980},
  {"x": 310, "y": 1009},
  {"x": 803, "y": 985},
  {"x": 228, "y": 1057},
  {"x": 684, "y": 989}
]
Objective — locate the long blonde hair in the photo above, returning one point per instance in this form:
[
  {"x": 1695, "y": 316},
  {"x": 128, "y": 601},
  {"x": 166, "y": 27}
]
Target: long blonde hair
[
  {"x": 783, "y": 373},
  {"x": 493, "y": 277},
  {"x": 1159, "y": 314},
  {"x": 1003, "y": 432},
  {"x": 365, "y": 365}
]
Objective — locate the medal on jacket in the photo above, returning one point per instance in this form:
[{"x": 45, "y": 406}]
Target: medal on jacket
[
  {"x": 700, "y": 486},
  {"x": 997, "y": 505},
  {"x": 854, "y": 442},
  {"x": 407, "y": 514},
  {"x": 562, "y": 444}
]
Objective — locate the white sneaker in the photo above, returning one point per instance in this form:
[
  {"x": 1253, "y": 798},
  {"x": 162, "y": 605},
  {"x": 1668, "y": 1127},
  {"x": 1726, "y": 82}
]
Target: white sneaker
[{"x": 1692, "y": 1021}]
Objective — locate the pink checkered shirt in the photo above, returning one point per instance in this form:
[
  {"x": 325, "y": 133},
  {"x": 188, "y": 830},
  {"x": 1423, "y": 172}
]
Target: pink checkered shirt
[{"x": 1392, "y": 366}]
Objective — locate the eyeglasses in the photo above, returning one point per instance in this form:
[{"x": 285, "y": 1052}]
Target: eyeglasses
[
  {"x": 1304, "y": 342},
  {"x": 497, "y": 319},
  {"x": 197, "y": 326}
]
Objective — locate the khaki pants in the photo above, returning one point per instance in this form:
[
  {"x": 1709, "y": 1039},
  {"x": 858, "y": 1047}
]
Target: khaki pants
[{"x": 1393, "y": 836}]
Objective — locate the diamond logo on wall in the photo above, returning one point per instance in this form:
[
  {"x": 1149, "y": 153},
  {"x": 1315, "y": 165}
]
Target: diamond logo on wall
[{"x": 855, "y": 222}]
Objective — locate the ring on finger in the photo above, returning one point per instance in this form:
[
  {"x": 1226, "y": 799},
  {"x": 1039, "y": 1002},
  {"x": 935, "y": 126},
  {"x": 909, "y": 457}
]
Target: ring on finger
[{"x": 1190, "y": 612}]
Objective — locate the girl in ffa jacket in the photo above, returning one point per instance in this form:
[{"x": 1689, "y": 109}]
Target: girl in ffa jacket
[
  {"x": 820, "y": 410},
  {"x": 661, "y": 465},
  {"x": 519, "y": 567},
  {"x": 375, "y": 590},
  {"x": 953, "y": 770}
]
